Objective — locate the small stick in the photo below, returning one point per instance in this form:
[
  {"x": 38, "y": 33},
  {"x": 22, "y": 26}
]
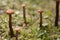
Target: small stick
[
  {"x": 24, "y": 13},
  {"x": 16, "y": 35},
  {"x": 57, "y": 14},
  {"x": 40, "y": 11},
  {"x": 10, "y": 12}
]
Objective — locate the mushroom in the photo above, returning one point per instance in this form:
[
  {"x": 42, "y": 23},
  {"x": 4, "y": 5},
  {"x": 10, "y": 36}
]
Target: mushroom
[
  {"x": 40, "y": 12},
  {"x": 17, "y": 29},
  {"x": 24, "y": 14},
  {"x": 10, "y": 12}
]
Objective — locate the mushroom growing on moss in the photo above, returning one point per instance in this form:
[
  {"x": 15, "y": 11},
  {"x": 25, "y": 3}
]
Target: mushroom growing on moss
[
  {"x": 10, "y": 12},
  {"x": 24, "y": 14},
  {"x": 17, "y": 29},
  {"x": 40, "y": 12}
]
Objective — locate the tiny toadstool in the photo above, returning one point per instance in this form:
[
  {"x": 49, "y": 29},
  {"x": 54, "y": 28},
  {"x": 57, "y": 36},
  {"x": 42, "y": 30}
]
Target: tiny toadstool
[
  {"x": 17, "y": 29},
  {"x": 24, "y": 13},
  {"x": 40, "y": 11},
  {"x": 10, "y": 12}
]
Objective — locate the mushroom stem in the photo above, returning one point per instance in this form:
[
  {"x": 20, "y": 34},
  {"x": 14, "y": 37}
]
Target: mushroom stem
[
  {"x": 10, "y": 26},
  {"x": 24, "y": 16},
  {"x": 57, "y": 14},
  {"x": 40, "y": 12},
  {"x": 40, "y": 20},
  {"x": 16, "y": 35}
]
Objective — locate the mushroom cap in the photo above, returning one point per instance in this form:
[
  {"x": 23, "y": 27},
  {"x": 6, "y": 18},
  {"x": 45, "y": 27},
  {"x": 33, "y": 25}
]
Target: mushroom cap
[
  {"x": 23, "y": 5},
  {"x": 17, "y": 28},
  {"x": 10, "y": 11},
  {"x": 40, "y": 11}
]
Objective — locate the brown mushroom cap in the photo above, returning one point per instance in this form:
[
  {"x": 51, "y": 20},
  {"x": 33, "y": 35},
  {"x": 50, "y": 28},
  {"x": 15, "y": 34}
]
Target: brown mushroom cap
[
  {"x": 40, "y": 11},
  {"x": 10, "y": 11},
  {"x": 23, "y": 5},
  {"x": 17, "y": 28}
]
